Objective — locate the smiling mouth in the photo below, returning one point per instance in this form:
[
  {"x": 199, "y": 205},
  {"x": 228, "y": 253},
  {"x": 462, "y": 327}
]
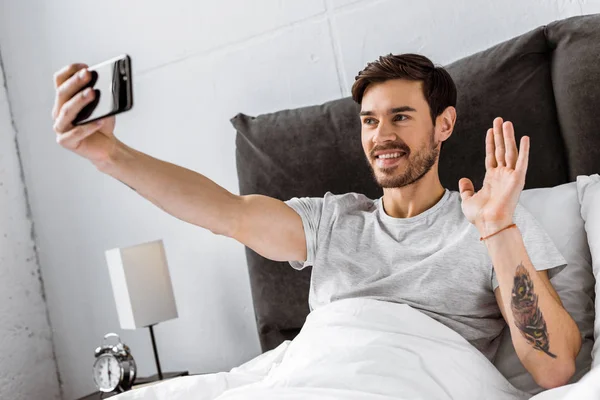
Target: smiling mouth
[
  {"x": 390, "y": 155},
  {"x": 389, "y": 160}
]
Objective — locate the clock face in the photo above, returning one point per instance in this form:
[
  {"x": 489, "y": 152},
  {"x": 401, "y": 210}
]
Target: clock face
[{"x": 107, "y": 372}]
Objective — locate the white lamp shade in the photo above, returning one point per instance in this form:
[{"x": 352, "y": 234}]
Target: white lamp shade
[{"x": 141, "y": 284}]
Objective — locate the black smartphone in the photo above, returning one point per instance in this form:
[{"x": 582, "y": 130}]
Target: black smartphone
[{"x": 111, "y": 80}]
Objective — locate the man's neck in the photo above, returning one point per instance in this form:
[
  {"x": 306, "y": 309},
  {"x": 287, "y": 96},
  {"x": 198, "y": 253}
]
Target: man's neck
[{"x": 412, "y": 200}]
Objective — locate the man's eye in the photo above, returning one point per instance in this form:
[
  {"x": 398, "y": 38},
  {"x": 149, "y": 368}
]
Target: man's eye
[
  {"x": 369, "y": 121},
  {"x": 400, "y": 117}
]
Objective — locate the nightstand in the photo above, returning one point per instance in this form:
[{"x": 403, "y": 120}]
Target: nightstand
[{"x": 138, "y": 382}]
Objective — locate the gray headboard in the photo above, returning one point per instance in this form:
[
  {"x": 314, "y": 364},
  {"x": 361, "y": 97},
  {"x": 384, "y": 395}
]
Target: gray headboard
[{"x": 547, "y": 82}]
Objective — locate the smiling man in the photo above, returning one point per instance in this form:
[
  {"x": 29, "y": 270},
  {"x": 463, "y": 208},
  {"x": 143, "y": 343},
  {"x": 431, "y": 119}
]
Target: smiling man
[
  {"x": 420, "y": 243},
  {"x": 474, "y": 261}
]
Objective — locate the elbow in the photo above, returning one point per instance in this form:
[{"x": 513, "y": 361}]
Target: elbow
[
  {"x": 556, "y": 376},
  {"x": 561, "y": 370},
  {"x": 230, "y": 222}
]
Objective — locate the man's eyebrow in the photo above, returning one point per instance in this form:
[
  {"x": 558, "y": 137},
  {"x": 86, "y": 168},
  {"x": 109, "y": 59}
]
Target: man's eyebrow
[{"x": 394, "y": 110}]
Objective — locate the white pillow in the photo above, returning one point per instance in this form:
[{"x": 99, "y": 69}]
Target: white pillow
[
  {"x": 588, "y": 188},
  {"x": 557, "y": 210}
]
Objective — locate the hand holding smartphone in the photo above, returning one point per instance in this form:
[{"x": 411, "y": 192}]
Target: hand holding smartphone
[{"x": 87, "y": 98}]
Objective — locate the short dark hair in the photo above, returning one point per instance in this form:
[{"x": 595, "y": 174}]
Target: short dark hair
[{"x": 438, "y": 87}]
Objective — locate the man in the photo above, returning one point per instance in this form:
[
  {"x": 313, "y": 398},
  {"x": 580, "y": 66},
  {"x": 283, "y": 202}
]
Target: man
[{"x": 459, "y": 257}]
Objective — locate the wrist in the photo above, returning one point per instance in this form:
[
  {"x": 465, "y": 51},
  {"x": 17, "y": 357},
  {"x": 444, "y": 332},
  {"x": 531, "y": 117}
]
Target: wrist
[
  {"x": 487, "y": 228},
  {"x": 115, "y": 156}
]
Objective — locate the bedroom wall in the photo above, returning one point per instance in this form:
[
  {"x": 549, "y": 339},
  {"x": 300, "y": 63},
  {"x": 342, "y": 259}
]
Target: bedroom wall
[
  {"x": 27, "y": 363},
  {"x": 196, "y": 64}
]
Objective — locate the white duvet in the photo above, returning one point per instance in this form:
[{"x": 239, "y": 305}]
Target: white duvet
[{"x": 356, "y": 349}]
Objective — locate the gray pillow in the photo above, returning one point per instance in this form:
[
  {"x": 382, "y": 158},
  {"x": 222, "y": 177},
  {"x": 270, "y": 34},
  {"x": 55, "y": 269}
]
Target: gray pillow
[{"x": 557, "y": 209}]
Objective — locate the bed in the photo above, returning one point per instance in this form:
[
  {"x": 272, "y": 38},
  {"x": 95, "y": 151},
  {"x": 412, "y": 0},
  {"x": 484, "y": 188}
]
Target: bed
[{"x": 547, "y": 82}]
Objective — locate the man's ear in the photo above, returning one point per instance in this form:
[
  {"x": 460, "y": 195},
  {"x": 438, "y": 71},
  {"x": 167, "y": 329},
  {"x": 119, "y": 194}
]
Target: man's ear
[{"x": 446, "y": 121}]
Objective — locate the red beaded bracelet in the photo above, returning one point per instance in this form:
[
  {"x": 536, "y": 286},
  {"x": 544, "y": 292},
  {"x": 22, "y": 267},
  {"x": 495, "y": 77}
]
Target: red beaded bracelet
[{"x": 489, "y": 236}]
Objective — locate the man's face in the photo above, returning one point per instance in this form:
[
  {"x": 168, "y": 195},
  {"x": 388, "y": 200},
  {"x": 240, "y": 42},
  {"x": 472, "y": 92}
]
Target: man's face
[{"x": 398, "y": 136}]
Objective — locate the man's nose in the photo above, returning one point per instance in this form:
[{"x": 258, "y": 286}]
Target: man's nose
[{"x": 383, "y": 133}]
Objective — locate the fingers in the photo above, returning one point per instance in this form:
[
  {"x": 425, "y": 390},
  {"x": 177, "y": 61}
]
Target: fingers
[
  {"x": 68, "y": 82},
  {"x": 66, "y": 72},
  {"x": 466, "y": 189},
  {"x": 500, "y": 145},
  {"x": 71, "y": 108},
  {"x": 523, "y": 160},
  {"x": 499, "y": 142},
  {"x": 490, "y": 157},
  {"x": 75, "y": 136},
  {"x": 510, "y": 144}
]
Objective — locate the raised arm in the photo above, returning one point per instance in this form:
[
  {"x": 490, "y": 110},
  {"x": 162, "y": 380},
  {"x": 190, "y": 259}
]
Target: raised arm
[
  {"x": 545, "y": 337},
  {"x": 266, "y": 225}
]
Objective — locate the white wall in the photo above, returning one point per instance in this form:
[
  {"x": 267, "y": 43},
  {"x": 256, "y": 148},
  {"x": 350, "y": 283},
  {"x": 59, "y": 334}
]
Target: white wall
[
  {"x": 196, "y": 64},
  {"x": 27, "y": 364}
]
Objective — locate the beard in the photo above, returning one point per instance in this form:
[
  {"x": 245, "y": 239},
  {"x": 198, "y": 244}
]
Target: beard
[{"x": 417, "y": 166}]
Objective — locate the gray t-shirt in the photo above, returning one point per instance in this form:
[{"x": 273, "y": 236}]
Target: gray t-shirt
[{"x": 433, "y": 261}]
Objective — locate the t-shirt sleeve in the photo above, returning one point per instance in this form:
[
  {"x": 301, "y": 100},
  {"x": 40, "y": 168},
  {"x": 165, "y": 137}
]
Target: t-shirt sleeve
[
  {"x": 310, "y": 210},
  {"x": 542, "y": 251}
]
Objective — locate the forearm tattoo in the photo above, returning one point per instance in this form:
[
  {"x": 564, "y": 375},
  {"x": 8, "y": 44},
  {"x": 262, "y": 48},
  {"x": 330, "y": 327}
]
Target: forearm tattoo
[{"x": 527, "y": 314}]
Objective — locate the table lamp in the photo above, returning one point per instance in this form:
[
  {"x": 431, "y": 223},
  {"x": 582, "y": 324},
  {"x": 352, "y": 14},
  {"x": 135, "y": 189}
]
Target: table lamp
[{"x": 142, "y": 288}]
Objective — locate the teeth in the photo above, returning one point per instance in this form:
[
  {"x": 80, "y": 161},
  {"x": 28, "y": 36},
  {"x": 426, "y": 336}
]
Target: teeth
[{"x": 392, "y": 155}]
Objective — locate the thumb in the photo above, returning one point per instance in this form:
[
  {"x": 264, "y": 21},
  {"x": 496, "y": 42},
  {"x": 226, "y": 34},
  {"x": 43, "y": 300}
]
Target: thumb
[{"x": 466, "y": 189}]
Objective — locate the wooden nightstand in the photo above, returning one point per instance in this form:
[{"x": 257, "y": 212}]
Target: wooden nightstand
[{"x": 138, "y": 382}]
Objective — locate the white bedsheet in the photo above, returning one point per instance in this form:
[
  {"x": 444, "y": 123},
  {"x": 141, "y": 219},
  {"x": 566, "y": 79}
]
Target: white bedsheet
[{"x": 354, "y": 349}]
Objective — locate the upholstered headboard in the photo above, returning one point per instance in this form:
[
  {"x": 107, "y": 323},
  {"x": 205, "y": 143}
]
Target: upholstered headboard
[{"x": 547, "y": 82}]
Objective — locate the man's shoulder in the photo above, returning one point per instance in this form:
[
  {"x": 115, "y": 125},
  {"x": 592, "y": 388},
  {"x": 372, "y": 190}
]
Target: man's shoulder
[
  {"x": 347, "y": 201},
  {"x": 332, "y": 203},
  {"x": 523, "y": 217}
]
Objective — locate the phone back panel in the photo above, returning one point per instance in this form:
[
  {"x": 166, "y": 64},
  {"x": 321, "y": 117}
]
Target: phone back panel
[{"x": 111, "y": 80}]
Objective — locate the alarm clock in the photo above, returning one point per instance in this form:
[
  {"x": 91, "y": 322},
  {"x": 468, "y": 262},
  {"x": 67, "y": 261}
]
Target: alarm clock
[{"x": 114, "y": 368}]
